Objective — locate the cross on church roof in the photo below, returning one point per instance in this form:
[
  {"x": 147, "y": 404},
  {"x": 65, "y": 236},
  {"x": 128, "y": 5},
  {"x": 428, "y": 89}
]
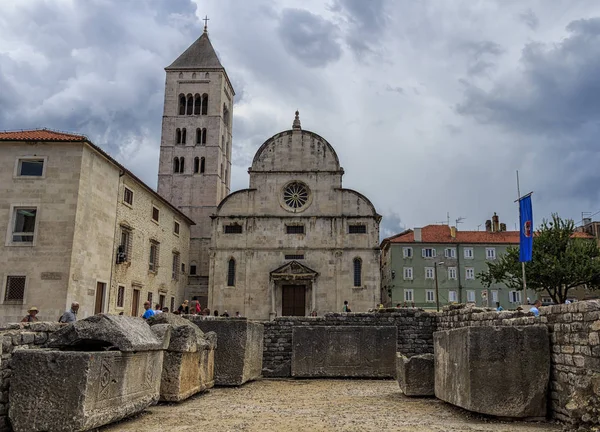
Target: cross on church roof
[{"x": 206, "y": 20}]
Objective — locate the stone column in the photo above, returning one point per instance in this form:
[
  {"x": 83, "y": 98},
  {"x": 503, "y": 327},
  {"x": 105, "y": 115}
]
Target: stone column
[
  {"x": 272, "y": 314},
  {"x": 313, "y": 300}
]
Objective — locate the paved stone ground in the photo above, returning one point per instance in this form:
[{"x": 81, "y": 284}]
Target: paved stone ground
[{"x": 315, "y": 405}]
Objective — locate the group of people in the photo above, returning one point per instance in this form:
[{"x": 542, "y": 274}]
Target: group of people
[
  {"x": 184, "y": 308},
  {"x": 67, "y": 317}
]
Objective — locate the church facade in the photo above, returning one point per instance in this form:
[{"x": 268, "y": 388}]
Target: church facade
[{"x": 295, "y": 242}]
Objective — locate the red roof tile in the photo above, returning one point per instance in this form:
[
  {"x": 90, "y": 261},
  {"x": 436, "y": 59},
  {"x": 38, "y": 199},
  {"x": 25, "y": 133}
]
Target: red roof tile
[
  {"x": 441, "y": 234},
  {"x": 39, "y": 135}
]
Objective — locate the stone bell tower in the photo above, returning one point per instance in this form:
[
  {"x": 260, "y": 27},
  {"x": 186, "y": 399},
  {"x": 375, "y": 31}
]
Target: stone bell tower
[{"x": 195, "y": 150}]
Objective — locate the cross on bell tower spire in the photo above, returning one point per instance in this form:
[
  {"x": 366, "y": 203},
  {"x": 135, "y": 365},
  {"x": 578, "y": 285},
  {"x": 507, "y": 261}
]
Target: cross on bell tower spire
[{"x": 206, "y": 20}]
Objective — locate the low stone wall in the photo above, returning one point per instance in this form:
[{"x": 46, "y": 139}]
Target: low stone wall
[
  {"x": 574, "y": 331},
  {"x": 415, "y": 333},
  {"x": 23, "y": 335}
]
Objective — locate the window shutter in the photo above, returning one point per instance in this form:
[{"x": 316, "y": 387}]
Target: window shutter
[
  {"x": 433, "y": 254},
  {"x": 423, "y": 252}
]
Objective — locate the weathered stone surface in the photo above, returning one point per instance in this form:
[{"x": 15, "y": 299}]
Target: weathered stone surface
[
  {"x": 416, "y": 374},
  {"x": 188, "y": 366},
  {"x": 501, "y": 371},
  {"x": 77, "y": 391},
  {"x": 348, "y": 351},
  {"x": 124, "y": 333},
  {"x": 238, "y": 358}
]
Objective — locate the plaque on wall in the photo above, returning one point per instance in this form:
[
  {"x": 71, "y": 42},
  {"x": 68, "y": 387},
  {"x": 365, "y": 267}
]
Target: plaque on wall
[{"x": 51, "y": 276}]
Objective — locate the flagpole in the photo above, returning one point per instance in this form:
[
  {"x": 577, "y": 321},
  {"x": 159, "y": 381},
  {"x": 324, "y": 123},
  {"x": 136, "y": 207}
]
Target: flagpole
[{"x": 522, "y": 263}]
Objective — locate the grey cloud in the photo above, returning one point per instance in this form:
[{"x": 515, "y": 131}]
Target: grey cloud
[
  {"x": 309, "y": 38},
  {"x": 391, "y": 224},
  {"x": 395, "y": 89},
  {"x": 481, "y": 55},
  {"x": 550, "y": 105},
  {"x": 557, "y": 89},
  {"x": 95, "y": 68},
  {"x": 366, "y": 22},
  {"x": 530, "y": 19}
]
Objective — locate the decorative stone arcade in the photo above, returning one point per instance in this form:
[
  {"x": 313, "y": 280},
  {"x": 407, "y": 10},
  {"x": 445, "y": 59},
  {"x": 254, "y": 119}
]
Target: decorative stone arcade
[{"x": 293, "y": 288}]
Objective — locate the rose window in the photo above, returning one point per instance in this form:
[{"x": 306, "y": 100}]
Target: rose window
[{"x": 295, "y": 195}]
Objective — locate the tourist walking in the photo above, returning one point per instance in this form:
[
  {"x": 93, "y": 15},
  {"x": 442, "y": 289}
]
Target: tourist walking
[
  {"x": 216, "y": 313},
  {"x": 149, "y": 311},
  {"x": 238, "y": 315},
  {"x": 184, "y": 308},
  {"x": 71, "y": 314},
  {"x": 346, "y": 307},
  {"x": 198, "y": 308},
  {"x": 535, "y": 308},
  {"x": 31, "y": 315},
  {"x": 157, "y": 309},
  {"x": 498, "y": 307},
  {"x": 225, "y": 314}
]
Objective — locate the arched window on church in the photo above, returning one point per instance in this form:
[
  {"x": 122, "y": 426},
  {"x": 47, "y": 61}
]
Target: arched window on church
[
  {"x": 194, "y": 75},
  {"x": 221, "y": 172},
  {"x": 225, "y": 175},
  {"x": 183, "y": 136},
  {"x": 202, "y": 165},
  {"x": 204, "y": 104},
  {"x": 178, "y": 136},
  {"x": 180, "y": 75},
  {"x": 181, "y": 165},
  {"x": 204, "y": 136},
  {"x": 190, "y": 104},
  {"x": 196, "y": 165},
  {"x": 197, "y": 104},
  {"x": 198, "y": 136},
  {"x": 206, "y": 75},
  {"x": 176, "y": 165},
  {"x": 357, "y": 272},
  {"x": 182, "y": 104},
  {"x": 231, "y": 272}
]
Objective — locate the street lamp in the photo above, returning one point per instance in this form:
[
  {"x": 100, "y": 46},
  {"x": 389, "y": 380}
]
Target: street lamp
[{"x": 437, "y": 291}]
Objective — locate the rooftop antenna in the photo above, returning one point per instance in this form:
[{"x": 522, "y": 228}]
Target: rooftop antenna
[
  {"x": 478, "y": 226},
  {"x": 584, "y": 216},
  {"x": 448, "y": 217},
  {"x": 459, "y": 220}
]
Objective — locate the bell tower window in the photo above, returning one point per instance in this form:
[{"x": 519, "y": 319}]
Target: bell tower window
[
  {"x": 181, "y": 104},
  {"x": 190, "y": 104},
  {"x": 197, "y": 104},
  {"x": 204, "y": 104}
]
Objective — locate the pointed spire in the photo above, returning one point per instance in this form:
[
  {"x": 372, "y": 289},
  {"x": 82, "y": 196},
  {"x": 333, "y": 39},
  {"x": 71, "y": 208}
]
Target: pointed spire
[
  {"x": 199, "y": 55},
  {"x": 296, "y": 124}
]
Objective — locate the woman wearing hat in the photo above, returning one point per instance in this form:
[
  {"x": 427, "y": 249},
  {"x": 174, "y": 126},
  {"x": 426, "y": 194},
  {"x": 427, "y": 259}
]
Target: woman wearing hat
[{"x": 31, "y": 317}]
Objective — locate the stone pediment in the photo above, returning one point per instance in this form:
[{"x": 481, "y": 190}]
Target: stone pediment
[{"x": 293, "y": 270}]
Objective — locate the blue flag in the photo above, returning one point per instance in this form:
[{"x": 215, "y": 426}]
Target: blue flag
[{"x": 526, "y": 219}]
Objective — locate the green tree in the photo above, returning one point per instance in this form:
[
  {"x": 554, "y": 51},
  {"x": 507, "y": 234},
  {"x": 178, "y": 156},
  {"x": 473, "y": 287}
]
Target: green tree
[{"x": 560, "y": 262}]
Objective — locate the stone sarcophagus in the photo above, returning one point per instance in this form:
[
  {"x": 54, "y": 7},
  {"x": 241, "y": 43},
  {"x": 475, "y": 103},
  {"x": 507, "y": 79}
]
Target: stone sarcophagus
[
  {"x": 238, "y": 358},
  {"x": 500, "y": 371},
  {"x": 344, "y": 351},
  {"x": 188, "y": 365},
  {"x": 416, "y": 374},
  {"x": 96, "y": 371}
]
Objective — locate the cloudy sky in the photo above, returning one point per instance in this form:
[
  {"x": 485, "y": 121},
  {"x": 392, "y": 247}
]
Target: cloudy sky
[{"x": 432, "y": 105}]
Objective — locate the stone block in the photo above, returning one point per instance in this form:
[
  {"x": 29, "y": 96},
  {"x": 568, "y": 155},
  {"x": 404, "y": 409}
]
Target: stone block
[
  {"x": 239, "y": 354},
  {"x": 188, "y": 366},
  {"x": 344, "y": 351},
  {"x": 77, "y": 391},
  {"x": 500, "y": 371},
  {"x": 120, "y": 332},
  {"x": 416, "y": 374}
]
